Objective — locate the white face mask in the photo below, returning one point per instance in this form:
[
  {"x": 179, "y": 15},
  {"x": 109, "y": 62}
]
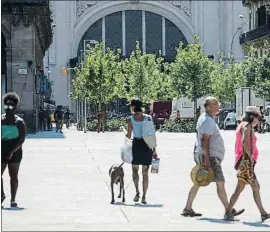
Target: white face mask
[{"x": 8, "y": 107}]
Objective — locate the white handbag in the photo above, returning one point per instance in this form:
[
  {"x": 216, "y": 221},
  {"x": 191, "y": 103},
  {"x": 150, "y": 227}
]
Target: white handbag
[
  {"x": 126, "y": 151},
  {"x": 149, "y": 132}
]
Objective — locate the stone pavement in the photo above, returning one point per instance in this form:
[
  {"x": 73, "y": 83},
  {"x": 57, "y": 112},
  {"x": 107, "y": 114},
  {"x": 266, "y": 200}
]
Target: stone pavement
[{"x": 64, "y": 186}]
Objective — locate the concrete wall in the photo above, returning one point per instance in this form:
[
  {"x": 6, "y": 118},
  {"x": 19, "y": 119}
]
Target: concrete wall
[{"x": 25, "y": 47}]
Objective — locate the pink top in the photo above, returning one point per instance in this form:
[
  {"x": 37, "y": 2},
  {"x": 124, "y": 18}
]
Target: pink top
[{"x": 239, "y": 145}]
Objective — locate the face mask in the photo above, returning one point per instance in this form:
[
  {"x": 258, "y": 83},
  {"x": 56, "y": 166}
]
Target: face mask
[{"x": 8, "y": 107}]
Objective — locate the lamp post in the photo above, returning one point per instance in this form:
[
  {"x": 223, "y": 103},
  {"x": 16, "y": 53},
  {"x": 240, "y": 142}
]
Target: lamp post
[
  {"x": 238, "y": 29},
  {"x": 83, "y": 63}
]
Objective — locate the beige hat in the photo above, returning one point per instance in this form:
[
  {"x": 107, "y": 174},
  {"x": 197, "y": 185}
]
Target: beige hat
[
  {"x": 201, "y": 177},
  {"x": 253, "y": 109}
]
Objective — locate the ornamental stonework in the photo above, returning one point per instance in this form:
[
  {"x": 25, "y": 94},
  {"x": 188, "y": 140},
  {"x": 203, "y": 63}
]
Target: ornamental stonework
[
  {"x": 83, "y": 6},
  {"x": 186, "y": 6}
]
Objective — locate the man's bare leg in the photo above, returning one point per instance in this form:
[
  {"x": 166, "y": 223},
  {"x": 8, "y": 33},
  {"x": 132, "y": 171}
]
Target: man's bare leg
[
  {"x": 188, "y": 211},
  {"x": 191, "y": 196},
  {"x": 222, "y": 195}
]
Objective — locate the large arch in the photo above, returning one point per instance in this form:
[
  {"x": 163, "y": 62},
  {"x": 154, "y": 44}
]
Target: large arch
[
  {"x": 6, "y": 34},
  {"x": 101, "y": 9}
]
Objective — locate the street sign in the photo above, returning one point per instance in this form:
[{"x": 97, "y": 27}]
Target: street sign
[{"x": 22, "y": 71}]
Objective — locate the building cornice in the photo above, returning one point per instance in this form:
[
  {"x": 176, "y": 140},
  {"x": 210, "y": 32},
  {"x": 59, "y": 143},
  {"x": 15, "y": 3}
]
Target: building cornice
[{"x": 35, "y": 12}]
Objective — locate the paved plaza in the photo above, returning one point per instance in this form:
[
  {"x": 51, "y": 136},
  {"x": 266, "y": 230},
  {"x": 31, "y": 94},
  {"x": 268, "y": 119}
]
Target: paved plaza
[{"x": 64, "y": 185}]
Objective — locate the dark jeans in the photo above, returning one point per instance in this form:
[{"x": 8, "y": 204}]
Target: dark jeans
[
  {"x": 49, "y": 124},
  {"x": 42, "y": 124}
]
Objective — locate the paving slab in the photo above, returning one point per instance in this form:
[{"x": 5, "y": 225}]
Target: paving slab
[{"x": 64, "y": 185}]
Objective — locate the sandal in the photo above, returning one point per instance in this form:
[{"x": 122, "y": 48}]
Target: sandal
[
  {"x": 144, "y": 201},
  {"x": 137, "y": 197},
  {"x": 229, "y": 217},
  {"x": 265, "y": 217},
  {"x": 236, "y": 213},
  {"x": 13, "y": 204},
  {"x": 190, "y": 213}
]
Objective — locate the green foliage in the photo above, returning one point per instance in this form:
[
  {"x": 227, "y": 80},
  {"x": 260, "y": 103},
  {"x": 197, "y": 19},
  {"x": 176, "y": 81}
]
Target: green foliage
[
  {"x": 144, "y": 76},
  {"x": 225, "y": 80},
  {"x": 105, "y": 77},
  {"x": 256, "y": 71},
  {"x": 110, "y": 125},
  {"x": 98, "y": 79},
  {"x": 184, "y": 126},
  {"x": 191, "y": 71}
]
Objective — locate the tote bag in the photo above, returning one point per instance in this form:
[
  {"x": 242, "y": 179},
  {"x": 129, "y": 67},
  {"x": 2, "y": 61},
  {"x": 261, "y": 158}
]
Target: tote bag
[{"x": 149, "y": 132}]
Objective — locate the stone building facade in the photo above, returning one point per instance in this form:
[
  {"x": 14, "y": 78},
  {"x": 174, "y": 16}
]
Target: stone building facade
[
  {"x": 258, "y": 34},
  {"x": 158, "y": 25},
  {"x": 26, "y": 34}
]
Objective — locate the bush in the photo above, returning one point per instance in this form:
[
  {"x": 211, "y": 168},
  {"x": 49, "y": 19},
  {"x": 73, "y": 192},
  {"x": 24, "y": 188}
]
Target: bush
[
  {"x": 184, "y": 126},
  {"x": 110, "y": 125}
]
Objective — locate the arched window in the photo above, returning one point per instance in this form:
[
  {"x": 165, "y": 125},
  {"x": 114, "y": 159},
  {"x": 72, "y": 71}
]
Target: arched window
[{"x": 122, "y": 30}]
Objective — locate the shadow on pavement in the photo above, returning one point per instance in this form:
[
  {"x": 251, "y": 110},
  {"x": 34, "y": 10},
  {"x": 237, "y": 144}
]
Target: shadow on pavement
[
  {"x": 46, "y": 135},
  {"x": 14, "y": 208},
  {"x": 140, "y": 205},
  {"x": 256, "y": 224},
  {"x": 217, "y": 220}
]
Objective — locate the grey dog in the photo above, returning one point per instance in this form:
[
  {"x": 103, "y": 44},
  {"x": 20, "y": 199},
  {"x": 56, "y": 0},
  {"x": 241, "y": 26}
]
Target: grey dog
[{"x": 117, "y": 176}]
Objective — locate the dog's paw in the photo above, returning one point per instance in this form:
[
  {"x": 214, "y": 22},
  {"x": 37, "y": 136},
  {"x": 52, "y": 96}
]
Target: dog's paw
[
  {"x": 119, "y": 196},
  {"x": 112, "y": 202},
  {"x": 123, "y": 200}
]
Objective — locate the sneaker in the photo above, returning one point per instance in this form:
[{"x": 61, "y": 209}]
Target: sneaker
[{"x": 13, "y": 204}]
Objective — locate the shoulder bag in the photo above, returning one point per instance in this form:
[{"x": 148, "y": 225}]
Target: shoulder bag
[{"x": 149, "y": 132}]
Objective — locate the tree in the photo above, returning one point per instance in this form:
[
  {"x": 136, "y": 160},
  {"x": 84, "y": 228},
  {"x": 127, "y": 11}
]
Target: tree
[
  {"x": 164, "y": 81},
  {"x": 142, "y": 74},
  {"x": 256, "y": 71},
  {"x": 98, "y": 79},
  {"x": 191, "y": 71},
  {"x": 262, "y": 80},
  {"x": 226, "y": 80}
]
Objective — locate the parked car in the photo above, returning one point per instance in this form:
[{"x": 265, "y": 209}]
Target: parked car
[
  {"x": 230, "y": 121},
  {"x": 267, "y": 118}
]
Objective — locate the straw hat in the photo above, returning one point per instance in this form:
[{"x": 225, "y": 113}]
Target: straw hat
[
  {"x": 253, "y": 109},
  {"x": 201, "y": 177}
]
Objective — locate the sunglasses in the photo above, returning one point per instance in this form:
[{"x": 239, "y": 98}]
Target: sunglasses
[{"x": 8, "y": 107}]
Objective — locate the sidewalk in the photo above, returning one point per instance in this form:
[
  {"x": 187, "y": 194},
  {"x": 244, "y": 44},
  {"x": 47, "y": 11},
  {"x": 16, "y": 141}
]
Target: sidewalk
[{"x": 64, "y": 186}]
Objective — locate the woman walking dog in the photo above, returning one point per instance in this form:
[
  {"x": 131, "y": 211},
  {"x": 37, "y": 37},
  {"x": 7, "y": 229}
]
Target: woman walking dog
[
  {"x": 142, "y": 154},
  {"x": 246, "y": 155},
  {"x": 13, "y": 136}
]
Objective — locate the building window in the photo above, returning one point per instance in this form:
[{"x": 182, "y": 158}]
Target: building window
[
  {"x": 261, "y": 16},
  {"x": 113, "y": 30},
  {"x": 94, "y": 32},
  {"x": 133, "y": 32},
  {"x": 153, "y": 32},
  {"x": 173, "y": 38}
]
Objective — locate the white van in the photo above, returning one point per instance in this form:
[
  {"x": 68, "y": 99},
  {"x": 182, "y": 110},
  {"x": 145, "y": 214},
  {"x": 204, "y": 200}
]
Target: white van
[{"x": 230, "y": 121}]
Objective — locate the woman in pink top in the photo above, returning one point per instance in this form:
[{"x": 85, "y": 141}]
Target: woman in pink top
[{"x": 246, "y": 155}]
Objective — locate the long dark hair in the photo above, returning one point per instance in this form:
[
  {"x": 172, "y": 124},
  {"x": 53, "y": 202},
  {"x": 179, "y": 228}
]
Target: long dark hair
[{"x": 248, "y": 117}]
